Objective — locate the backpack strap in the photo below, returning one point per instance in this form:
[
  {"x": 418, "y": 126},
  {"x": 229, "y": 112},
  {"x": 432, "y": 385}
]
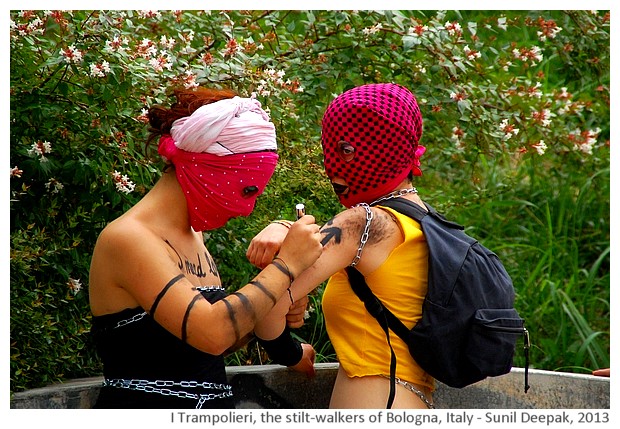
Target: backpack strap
[
  {"x": 386, "y": 319},
  {"x": 407, "y": 208},
  {"x": 417, "y": 213},
  {"x": 376, "y": 308}
]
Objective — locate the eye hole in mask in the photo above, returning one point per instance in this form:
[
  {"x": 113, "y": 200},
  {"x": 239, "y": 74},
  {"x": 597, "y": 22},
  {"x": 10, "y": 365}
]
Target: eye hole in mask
[
  {"x": 346, "y": 151},
  {"x": 249, "y": 191},
  {"x": 340, "y": 189}
]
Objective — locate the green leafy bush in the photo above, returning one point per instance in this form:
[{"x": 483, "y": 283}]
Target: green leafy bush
[{"x": 516, "y": 107}]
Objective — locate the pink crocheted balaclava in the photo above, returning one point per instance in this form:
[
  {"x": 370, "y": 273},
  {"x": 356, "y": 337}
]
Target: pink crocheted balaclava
[{"x": 370, "y": 138}]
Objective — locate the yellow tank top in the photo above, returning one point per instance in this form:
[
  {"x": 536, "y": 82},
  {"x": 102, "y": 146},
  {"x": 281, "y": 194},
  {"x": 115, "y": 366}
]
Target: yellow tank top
[{"x": 401, "y": 284}]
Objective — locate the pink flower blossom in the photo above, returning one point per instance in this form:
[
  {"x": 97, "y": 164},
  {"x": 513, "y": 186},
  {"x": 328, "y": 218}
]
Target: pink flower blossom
[
  {"x": 457, "y": 137},
  {"x": 167, "y": 42},
  {"x": 372, "y": 30},
  {"x": 548, "y": 29},
  {"x": 458, "y": 96},
  {"x": 143, "y": 116},
  {"x": 31, "y": 28},
  {"x": 146, "y": 49},
  {"x": 533, "y": 55},
  {"x": 232, "y": 47},
  {"x": 149, "y": 13},
  {"x": 543, "y": 117}
]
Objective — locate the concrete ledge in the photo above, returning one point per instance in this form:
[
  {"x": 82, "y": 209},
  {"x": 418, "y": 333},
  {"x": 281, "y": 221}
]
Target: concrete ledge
[{"x": 273, "y": 386}]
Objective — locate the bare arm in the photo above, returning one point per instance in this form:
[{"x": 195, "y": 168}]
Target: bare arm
[
  {"x": 143, "y": 269},
  {"x": 340, "y": 238}
]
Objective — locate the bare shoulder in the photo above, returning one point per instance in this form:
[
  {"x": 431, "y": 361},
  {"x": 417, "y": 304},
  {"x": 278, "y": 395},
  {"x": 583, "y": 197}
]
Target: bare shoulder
[
  {"x": 129, "y": 260},
  {"x": 123, "y": 234},
  {"x": 125, "y": 241}
]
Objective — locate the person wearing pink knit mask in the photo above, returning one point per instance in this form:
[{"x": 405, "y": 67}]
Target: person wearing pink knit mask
[
  {"x": 370, "y": 137},
  {"x": 162, "y": 320}
]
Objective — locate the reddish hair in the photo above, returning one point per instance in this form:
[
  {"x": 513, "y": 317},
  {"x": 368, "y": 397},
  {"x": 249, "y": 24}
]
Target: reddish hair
[{"x": 188, "y": 100}]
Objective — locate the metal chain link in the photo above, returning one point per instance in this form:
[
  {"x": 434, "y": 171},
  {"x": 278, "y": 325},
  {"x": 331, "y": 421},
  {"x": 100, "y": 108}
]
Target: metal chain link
[
  {"x": 156, "y": 387},
  {"x": 140, "y": 316},
  {"x": 369, "y": 216},
  {"x": 413, "y": 389},
  {"x": 395, "y": 194},
  {"x": 210, "y": 289},
  {"x": 365, "y": 234},
  {"x": 132, "y": 319},
  {"x": 417, "y": 391}
]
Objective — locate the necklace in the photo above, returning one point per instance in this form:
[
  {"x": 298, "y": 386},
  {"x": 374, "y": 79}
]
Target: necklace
[{"x": 395, "y": 194}]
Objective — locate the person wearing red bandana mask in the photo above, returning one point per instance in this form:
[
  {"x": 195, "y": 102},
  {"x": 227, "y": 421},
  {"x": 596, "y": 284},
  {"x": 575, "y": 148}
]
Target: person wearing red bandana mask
[
  {"x": 370, "y": 137},
  {"x": 161, "y": 316}
]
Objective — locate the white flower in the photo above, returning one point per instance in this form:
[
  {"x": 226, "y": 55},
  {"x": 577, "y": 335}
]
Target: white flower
[
  {"x": 540, "y": 147},
  {"x": 453, "y": 28},
  {"x": 54, "y": 186},
  {"x": 100, "y": 70},
  {"x": 471, "y": 54},
  {"x": 372, "y": 30},
  {"x": 161, "y": 62},
  {"x": 167, "y": 42},
  {"x": 16, "y": 172},
  {"x": 508, "y": 129},
  {"x": 40, "y": 148},
  {"x": 501, "y": 23},
  {"x": 72, "y": 55},
  {"x": 116, "y": 45},
  {"x": 75, "y": 285},
  {"x": 122, "y": 182}
]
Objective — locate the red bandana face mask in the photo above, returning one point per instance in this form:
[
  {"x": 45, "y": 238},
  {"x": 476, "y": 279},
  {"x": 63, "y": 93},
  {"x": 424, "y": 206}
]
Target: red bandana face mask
[
  {"x": 218, "y": 188},
  {"x": 370, "y": 140}
]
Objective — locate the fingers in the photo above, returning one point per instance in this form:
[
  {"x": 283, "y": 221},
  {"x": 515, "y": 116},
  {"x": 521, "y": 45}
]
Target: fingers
[
  {"x": 302, "y": 246},
  {"x": 266, "y": 244},
  {"x": 309, "y": 350},
  {"x": 605, "y": 372},
  {"x": 296, "y": 313}
]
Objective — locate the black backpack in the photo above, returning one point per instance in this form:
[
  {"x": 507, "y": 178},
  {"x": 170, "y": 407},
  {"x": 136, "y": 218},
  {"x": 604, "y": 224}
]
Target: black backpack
[{"x": 469, "y": 327}]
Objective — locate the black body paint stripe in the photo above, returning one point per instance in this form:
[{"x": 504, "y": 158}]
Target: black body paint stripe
[
  {"x": 233, "y": 319},
  {"x": 247, "y": 304},
  {"x": 163, "y": 292},
  {"x": 263, "y": 289},
  {"x": 186, "y": 316},
  {"x": 282, "y": 269}
]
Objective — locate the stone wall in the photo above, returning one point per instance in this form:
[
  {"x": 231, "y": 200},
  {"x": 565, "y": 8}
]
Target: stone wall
[{"x": 273, "y": 386}]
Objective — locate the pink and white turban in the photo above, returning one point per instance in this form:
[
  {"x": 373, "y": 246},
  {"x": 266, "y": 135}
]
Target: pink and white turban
[
  {"x": 234, "y": 125},
  {"x": 224, "y": 155}
]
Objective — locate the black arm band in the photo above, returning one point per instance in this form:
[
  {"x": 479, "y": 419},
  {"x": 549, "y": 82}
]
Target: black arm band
[{"x": 284, "y": 350}]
